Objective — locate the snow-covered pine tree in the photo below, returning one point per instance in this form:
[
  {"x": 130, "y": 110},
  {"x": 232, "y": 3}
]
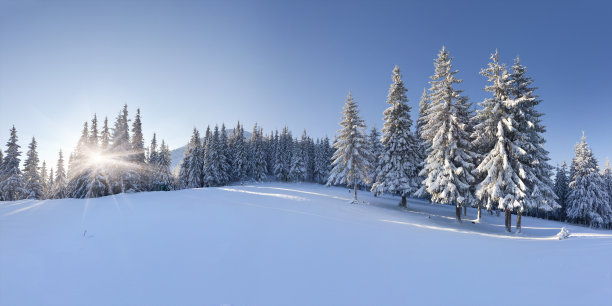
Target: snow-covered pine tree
[
  {"x": 607, "y": 179},
  {"x": 446, "y": 130},
  {"x": 121, "y": 148},
  {"x": 297, "y": 170},
  {"x": 136, "y": 173},
  {"x": 137, "y": 141},
  {"x": 239, "y": 155},
  {"x": 44, "y": 183},
  {"x": 61, "y": 181},
  {"x": 11, "y": 179},
  {"x": 397, "y": 171},
  {"x": 541, "y": 195},
  {"x": 351, "y": 161},
  {"x": 273, "y": 151},
  {"x": 562, "y": 190},
  {"x": 50, "y": 184},
  {"x": 588, "y": 201},
  {"x": 423, "y": 145},
  {"x": 105, "y": 136},
  {"x": 94, "y": 134},
  {"x": 323, "y": 155},
  {"x": 225, "y": 162},
  {"x": 212, "y": 166},
  {"x": 191, "y": 175},
  {"x": 504, "y": 167},
  {"x": 152, "y": 163},
  {"x": 376, "y": 148},
  {"x": 259, "y": 167},
  {"x": 282, "y": 163},
  {"x": 31, "y": 176},
  {"x": 165, "y": 180}
]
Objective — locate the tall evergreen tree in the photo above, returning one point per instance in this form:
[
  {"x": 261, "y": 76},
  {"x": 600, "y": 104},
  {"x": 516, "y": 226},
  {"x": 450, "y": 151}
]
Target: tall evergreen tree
[
  {"x": 588, "y": 201},
  {"x": 191, "y": 175},
  {"x": 164, "y": 176},
  {"x": 105, "y": 136},
  {"x": 397, "y": 171},
  {"x": 562, "y": 190},
  {"x": 33, "y": 181},
  {"x": 282, "y": 163},
  {"x": 94, "y": 134},
  {"x": 449, "y": 162},
  {"x": 297, "y": 170},
  {"x": 541, "y": 195},
  {"x": 259, "y": 166},
  {"x": 213, "y": 175},
  {"x": 239, "y": 154},
  {"x": 137, "y": 141},
  {"x": 59, "y": 190},
  {"x": 44, "y": 176},
  {"x": 376, "y": 148},
  {"x": 351, "y": 161},
  {"x": 11, "y": 179},
  {"x": 225, "y": 161}
]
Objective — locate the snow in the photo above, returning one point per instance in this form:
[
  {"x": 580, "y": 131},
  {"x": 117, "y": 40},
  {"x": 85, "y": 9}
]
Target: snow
[{"x": 289, "y": 244}]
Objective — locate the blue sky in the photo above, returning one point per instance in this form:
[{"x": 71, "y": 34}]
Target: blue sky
[{"x": 195, "y": 63}]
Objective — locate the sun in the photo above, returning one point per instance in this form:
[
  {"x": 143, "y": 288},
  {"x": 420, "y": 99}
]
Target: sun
[{"x": 96, "y": 158}]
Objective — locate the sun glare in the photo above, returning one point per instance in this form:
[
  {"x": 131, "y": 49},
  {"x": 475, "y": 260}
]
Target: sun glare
[{"x": 97, "y": 158}]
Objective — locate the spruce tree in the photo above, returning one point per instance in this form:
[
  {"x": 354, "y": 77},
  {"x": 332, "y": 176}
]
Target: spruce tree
[
  {"x": 94, "y": 134},
  {"x": 105, "y": 136},
  {"x": 59, "y": 188},
  {"x": 259, "y": 166},
  {"x": 588, "y": 201},
  {"x": 11, "y": 180},
  {"x": 297, "y": 170},
  {"x": 213, "y": 175},
  {"x": 422, "y": 142},
  {"x": 165, "y": 180},
  {"x": 33, "y": 181},
  {"x": 225, "y": 161},
  {"x": 397, "y": 171},
  {"x": 282, "y": 163},
  {"x": 449, "y": 162},
  {"x": 44, "y": 183},
  {"x": 562, "y": 190},
  {"x": 191, "y": 172},
  {"x": 541, "y": 195},
  {"x": 351, "y": 161},
  {"x": 504, "y": 166},
  {"x": 239, "y": 154}
]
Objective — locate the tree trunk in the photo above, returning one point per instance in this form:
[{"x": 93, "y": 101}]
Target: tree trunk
[
  {"x": 508, "y": 220},
  {"x": 355, "y": 189},
  {"x": 458, "y": 212},
  {"x": 403, "y": 203},
  {"x": 518, "y": 220},
  {"x": 464, "y": 211},
  {"x": 479, "y": 211}
]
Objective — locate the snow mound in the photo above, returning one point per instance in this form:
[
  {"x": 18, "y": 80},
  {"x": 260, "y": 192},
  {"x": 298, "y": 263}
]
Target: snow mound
[{"x": 563, "y": 234}]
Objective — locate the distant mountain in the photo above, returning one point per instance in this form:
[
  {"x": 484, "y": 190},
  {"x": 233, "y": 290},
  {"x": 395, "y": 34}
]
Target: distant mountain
[{"x": 177, "y": 154}]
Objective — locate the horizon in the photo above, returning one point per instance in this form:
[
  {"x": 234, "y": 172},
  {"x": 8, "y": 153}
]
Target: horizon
[{"x": 284, "y": 64}]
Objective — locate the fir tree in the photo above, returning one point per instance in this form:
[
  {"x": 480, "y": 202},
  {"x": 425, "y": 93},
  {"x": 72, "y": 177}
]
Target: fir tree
[
  {"x": 541, "y": 195},
  {"x": 33, "y": 181},
  {"x": 164, "y": 173},
  {"x": 351, "y": 161},
  {"x": 11, "y": 179},
  {"x": 259, "y": 166},
  {"x": 588, "y": 201},
  {"x": 213, "y": 175},
  {"x": 376, "y": 148},
  {"x": 105, "y": 136},
  {"x": 323, "y": 160},
  {"x": 562, "y": 189},
  {"x": 449, "y": 162},
  {"x": 284, "y": 150},
  {"x": 397, "y": 171},
  {"x": 137, "y": 141},
  {"x": 423, "y": 146},
  {"x": 297, "y": 170},
  {"x": 59, "y": 188},
  {"x": 44, "y": 183},
  {"x": 239, "y": 154},
  {"x": 191, "y": 174},
  {"x": 94, "y": 134},
  {"x": 225, "y": 162}
]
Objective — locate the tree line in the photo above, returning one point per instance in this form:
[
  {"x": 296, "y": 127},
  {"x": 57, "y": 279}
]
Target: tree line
[{"x": 491, "y": 157}]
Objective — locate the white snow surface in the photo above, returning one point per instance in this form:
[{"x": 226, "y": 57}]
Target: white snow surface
[{"x": 289, "y": 244}]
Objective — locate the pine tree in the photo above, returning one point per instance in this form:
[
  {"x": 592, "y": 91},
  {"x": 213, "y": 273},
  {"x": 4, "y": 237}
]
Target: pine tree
[
  {"x": 44, "y": 183},
  {"x": 33, "y": 181},
  {"x": 607, "y": 180},
  {"x": 541, "y": 195},
  {"x": 259, "y": 166},
  {"x": 137, "y": 141},
  {"x": 449, "y": 162},
  {"x": 351, "y": 161},
  {"x": 50, "y": 184},
  {"x": 225, "y": 161},
  {"x": 94, "y": 134},
  {"x": 323, "y": 159},
  {"x": 376, "y": 148},
  {"x": 562, "y": 190},
  {"x": 213, "y": 175},
  {"x": 297, "y": 170},
  {"x": 122, "y": 173},
  {"x": 191, "y": 174},
  {"x": 105, "y": 136},
  {"x": 397, "y": 171},
  {"x": 284, "y": 150},
  {"x": 11, "y": 179},
  {"x": 59, "y": 189},
  {"x": 239, "y": 154},
  {"x": 165, "y": 180},
  {"x": 423, "y": 146},
  {"x": 503, "y": 166},
  {"x": 588, "y": 201}
]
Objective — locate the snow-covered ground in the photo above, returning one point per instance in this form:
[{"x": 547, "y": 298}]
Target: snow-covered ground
[{"x": 288, "y": 244}]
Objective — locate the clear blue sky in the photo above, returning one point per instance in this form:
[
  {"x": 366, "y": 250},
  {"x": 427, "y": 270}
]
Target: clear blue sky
[{"x": 194, "y": 63}]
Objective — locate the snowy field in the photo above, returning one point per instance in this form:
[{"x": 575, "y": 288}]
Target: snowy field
[{"x": 288, "y": 244}]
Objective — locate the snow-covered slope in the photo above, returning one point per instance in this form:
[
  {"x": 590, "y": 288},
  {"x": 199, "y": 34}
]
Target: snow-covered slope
[{"x": 288, "y": 244}]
